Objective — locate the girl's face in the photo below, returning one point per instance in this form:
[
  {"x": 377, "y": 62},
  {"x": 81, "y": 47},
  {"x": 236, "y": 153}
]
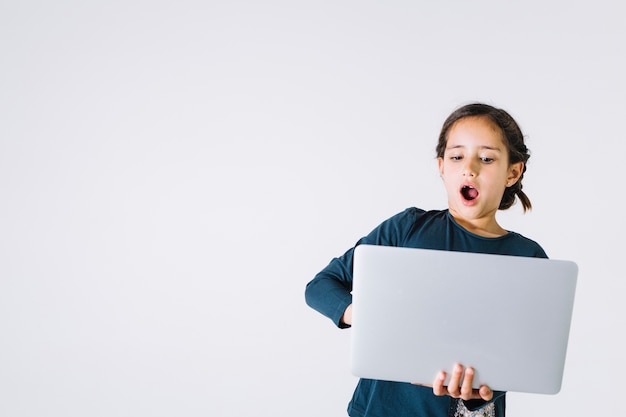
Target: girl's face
[{"x": 475, "y": 170}]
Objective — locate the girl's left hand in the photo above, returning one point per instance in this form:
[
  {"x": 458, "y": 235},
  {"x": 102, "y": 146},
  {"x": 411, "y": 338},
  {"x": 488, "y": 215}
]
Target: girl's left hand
[{"x": 460, "y": 385}]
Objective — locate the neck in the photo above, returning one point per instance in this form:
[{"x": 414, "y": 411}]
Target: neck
[{"x": 484, "y": 226}]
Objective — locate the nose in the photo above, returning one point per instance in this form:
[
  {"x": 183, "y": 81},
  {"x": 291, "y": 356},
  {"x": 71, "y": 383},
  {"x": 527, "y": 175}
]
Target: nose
[{"x": 469, "y": 169}]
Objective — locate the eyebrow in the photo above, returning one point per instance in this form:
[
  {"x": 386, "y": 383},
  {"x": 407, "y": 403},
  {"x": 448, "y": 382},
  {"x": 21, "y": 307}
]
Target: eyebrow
[{"x": 489, "y": 148}]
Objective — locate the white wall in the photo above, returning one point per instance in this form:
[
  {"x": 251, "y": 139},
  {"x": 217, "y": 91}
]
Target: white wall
[{"x": 172, "y": 174}]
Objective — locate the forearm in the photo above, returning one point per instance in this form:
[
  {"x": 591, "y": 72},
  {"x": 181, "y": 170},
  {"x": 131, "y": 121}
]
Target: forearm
[{"x": 329, "y": 297}]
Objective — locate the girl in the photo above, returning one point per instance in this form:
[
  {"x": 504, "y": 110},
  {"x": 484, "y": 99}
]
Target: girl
[{"x": 482, "y": 159}]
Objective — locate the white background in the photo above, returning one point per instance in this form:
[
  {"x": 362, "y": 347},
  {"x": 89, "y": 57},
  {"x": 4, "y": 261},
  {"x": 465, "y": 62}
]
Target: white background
[{"x": 173, "y": 173}]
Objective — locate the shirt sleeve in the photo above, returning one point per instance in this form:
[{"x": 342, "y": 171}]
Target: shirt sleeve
[
  {"x": 330, "y": 291},
  {"x": 494, "y": 407}
]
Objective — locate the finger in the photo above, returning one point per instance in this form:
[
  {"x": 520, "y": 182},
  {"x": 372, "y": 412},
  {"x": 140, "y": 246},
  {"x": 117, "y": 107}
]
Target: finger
[
  {"x": 485, "y": 393},
  {"x": 438, "y": 388},
  {"x": 466, "y": 387},
  {"x": 455, "y": 381}
]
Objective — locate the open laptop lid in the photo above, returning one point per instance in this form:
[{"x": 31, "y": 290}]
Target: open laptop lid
[{"x": 419, "y": 311}]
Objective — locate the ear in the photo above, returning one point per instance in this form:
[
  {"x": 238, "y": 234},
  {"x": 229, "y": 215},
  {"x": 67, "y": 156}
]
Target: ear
[
  {"x": 515, "y": 172},
  {"x": 440, "y": 165}
]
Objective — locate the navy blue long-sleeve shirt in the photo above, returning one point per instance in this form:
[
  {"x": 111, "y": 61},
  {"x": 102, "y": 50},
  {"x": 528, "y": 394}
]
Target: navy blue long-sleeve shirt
[{"x": 330, "y": 293}]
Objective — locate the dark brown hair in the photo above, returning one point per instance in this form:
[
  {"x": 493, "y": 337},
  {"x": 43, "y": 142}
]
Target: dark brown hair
[{"x": 511, "y": 135}]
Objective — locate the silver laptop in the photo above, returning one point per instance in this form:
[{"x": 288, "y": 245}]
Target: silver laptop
[{"x": 418, "y": 311}]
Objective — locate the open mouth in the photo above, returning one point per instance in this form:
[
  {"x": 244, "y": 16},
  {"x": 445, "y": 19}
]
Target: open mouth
[{"x": 469, "y": 193}]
